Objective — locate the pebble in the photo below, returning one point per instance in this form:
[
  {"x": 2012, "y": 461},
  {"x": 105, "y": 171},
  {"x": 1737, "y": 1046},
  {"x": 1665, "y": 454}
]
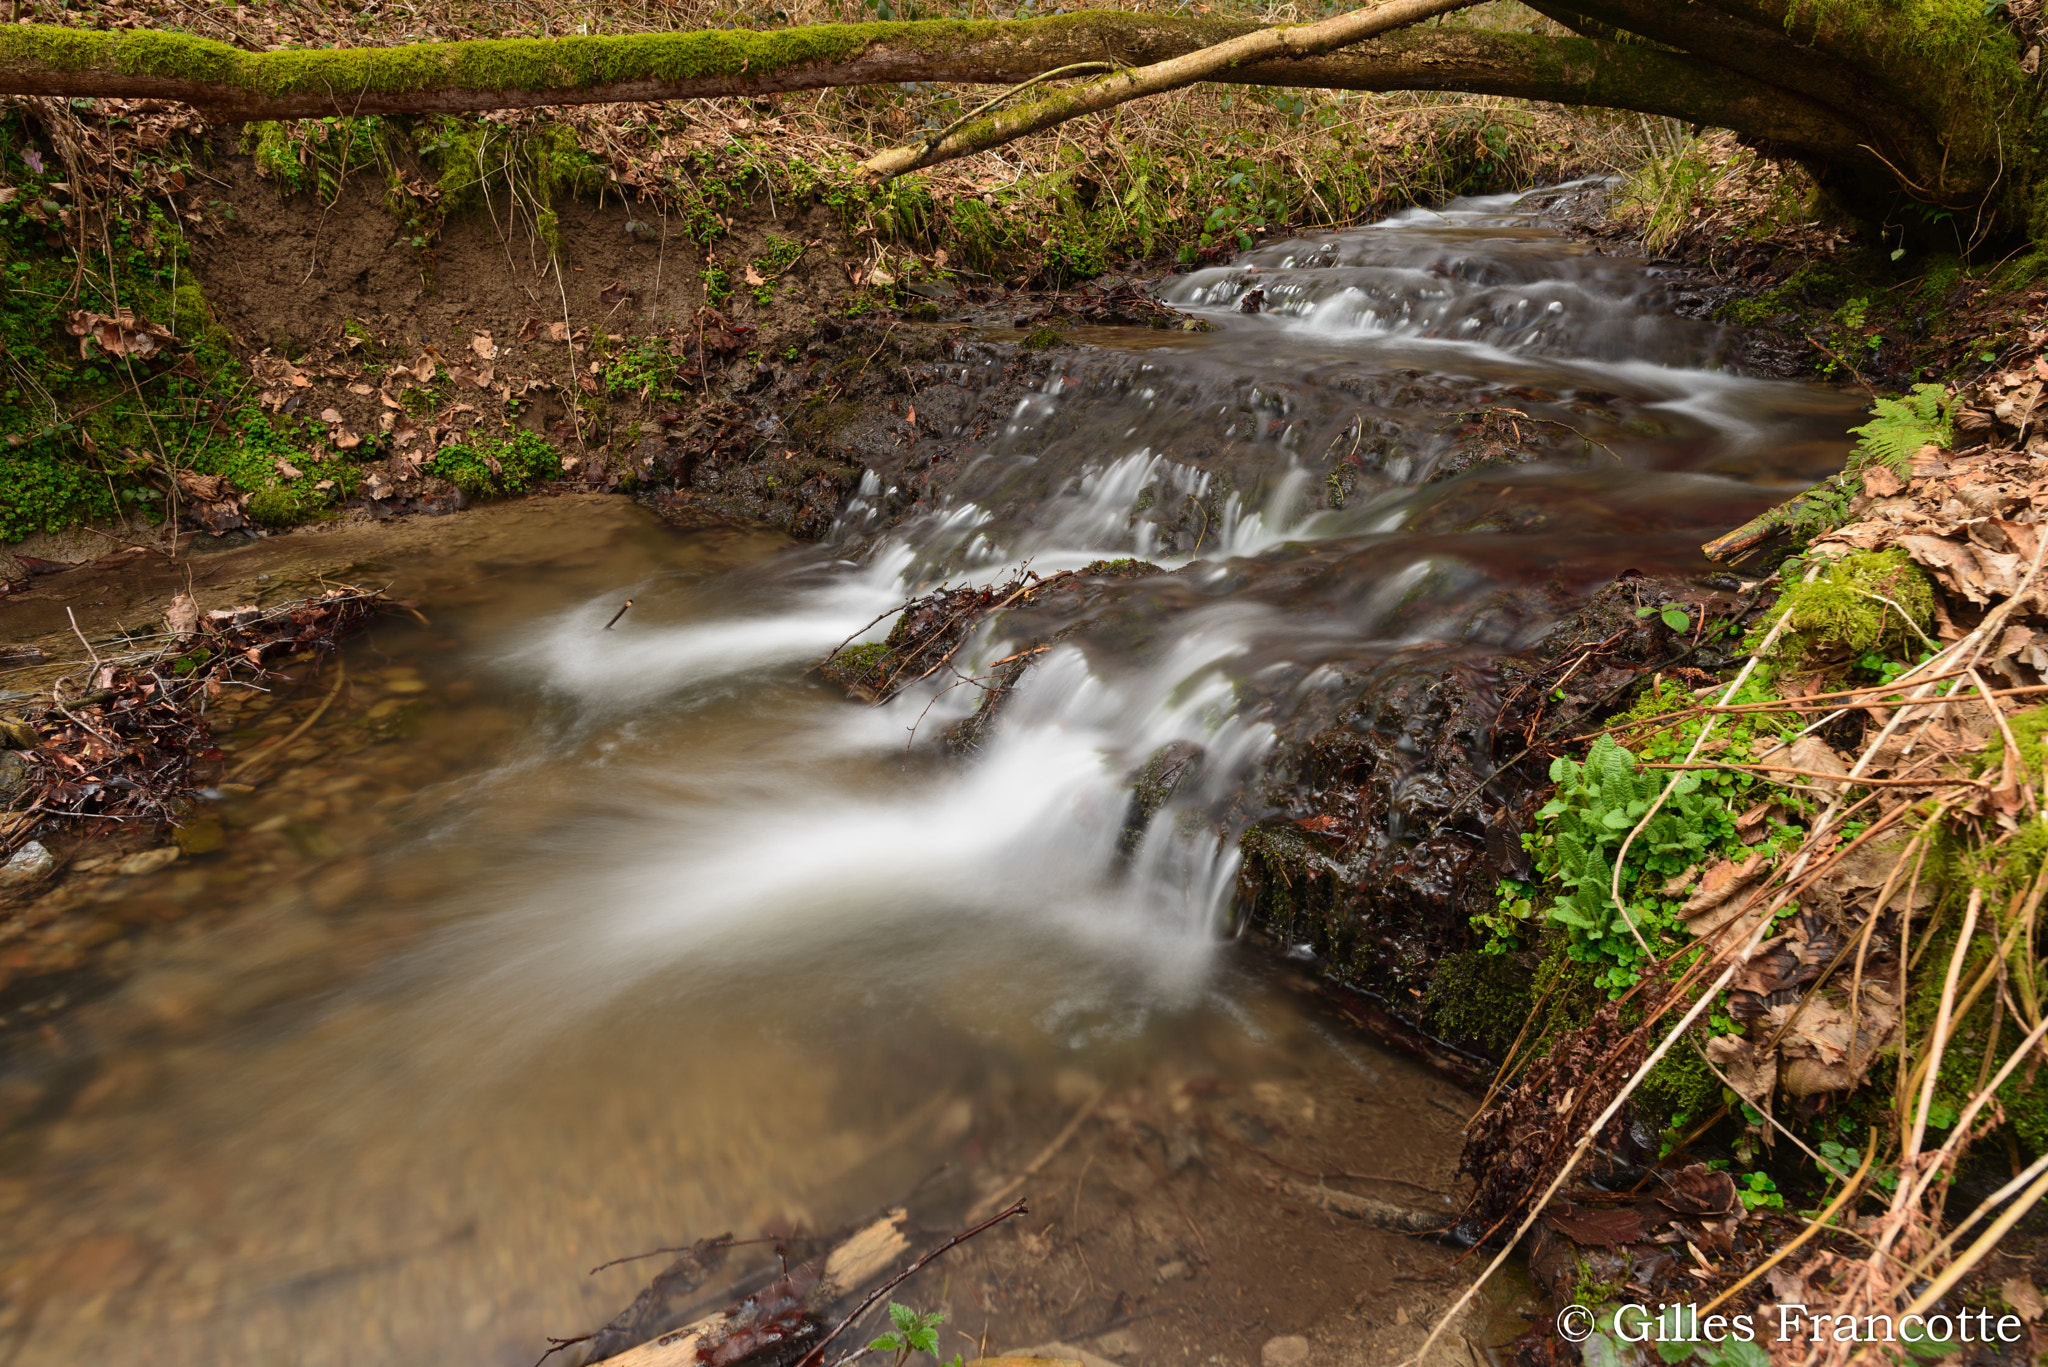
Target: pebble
[
  {"x": 1289, "y": 1350},
  {"x": 1174, "y": 1271},
  {"x": 148, "y": 861},
  {"x": 31, "y": 864}
]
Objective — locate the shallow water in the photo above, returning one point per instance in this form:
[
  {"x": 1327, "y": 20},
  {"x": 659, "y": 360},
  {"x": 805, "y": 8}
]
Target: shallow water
[{"x": 558, "y": 942}]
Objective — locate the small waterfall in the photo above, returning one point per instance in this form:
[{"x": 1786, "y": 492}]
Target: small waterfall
[{"x": 1219, "y": 459}]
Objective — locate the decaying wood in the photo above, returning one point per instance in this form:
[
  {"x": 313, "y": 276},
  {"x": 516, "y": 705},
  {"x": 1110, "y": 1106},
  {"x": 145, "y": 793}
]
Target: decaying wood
[{"x": 786, "y": 1308}]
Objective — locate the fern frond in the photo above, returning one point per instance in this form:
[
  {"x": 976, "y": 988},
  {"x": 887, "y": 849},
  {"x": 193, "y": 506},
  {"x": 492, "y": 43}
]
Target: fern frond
[{"x": 1899, "y": 427}]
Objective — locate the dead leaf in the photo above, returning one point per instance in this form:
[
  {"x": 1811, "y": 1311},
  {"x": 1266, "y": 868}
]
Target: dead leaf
[
  {"x": 423, "y": 370},
  {"x": 1880, "y": 480},
  {"x": 1699, "y": 1190},
  {"x": 1814, "y": 754},
  {"x": 346, "y": 440},
  {"x": 384, "y": 396},
  {"x": 752, "y": 276},
  {"x": 2024, "y": 1297},
  {"x": 287, "y": 469},
  {"x": 1754, "y": 1079},
  {"x": 614, "y": 294},
  {"x": 1723, "y": 890},
  {"x": 1597, "y": 1228},
  {"x": 208, "y": 488},
  {"x": 330, "y": 415},
  {"x": 483, "y": 346},
  {"x": 1975, "y": 573},
  {"x": 362, "y": 389},
  {"x": 182, "y": 616},
  {"x": 558, "y": 332}
]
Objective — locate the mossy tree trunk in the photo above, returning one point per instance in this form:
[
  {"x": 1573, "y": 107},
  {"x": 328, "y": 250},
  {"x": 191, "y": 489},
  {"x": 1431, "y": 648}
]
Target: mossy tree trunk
[{"x": 1891, "y": 101}]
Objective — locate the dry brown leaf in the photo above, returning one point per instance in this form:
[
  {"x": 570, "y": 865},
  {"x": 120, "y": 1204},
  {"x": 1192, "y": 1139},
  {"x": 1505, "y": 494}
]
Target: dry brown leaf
[
  {"x": 1754, "y": 1079},
  {"x": 1814, "y": 754},
  {"x": 287, "y": 469},
  {"x": 330, "y": 415},
  {"x": 423, "y": 370},
  {"x": 1979, "y": 575},
  {"x": 362, "y": 389},
  {"x": 483, "y": 346},
  {"x": 182, "y": 616},
  {"x": 558, "y": 332},
  {"x": 2023, "y": 1296}
]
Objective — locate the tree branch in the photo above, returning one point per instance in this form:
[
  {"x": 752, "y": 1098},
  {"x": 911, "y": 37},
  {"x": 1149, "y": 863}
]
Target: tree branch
[
  {"x": 229, "y": 85},
  {"x": 1290, "y": 41}
]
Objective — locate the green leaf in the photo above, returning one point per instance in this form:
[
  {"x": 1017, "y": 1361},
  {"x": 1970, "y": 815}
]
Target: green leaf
[
  {"x": 1676, "y": 619},
  {"x": 1737, "y": 1353},
  {"x": 1674, "y": 1351}
]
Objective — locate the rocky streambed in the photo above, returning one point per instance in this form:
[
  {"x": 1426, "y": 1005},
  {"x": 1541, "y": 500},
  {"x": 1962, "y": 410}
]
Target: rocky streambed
[{"x": 567, "y": 934}]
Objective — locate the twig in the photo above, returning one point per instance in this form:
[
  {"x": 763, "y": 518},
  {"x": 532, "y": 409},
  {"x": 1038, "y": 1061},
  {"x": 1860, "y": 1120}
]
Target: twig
[
  {"x": 817, "y": 1351},
  {"x": 617, "y": 615},
  {"x": 262, "y": 757},
  {"x": 81, "y": 639},
  {"x": 1045, "y": 1155}
]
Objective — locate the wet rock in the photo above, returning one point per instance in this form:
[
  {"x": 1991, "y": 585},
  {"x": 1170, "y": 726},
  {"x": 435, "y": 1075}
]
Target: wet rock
[
  {"x": 147, "y": 861},
  {"x": 15, "y": 777},
  {"x": 16, "y": 734},
  {"x": 30, "y": 865},
  {"x": 1288, "y": 1350}
]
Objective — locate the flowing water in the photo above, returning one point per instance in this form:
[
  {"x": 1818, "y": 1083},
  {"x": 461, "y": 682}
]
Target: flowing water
[{"x": 565, "y": 942}]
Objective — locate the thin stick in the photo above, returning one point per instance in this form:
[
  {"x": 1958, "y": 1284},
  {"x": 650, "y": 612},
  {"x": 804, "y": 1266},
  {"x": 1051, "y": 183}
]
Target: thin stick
[
  {"x": 81, "y": 639},
  {"x": 1045, "y": 1156},
  {"x": 262, "y": 757},
  {"x": 811, "y": 1358},
  {"x": 617, "y": 615},
  {"x": 1813, "y": 1227}
]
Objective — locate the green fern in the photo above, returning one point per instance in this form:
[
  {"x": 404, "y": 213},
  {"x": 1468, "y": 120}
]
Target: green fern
[{"x": 1899, "y": 427}]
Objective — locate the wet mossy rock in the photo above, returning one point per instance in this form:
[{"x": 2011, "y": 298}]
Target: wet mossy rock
[{"x": 1870, "y": 601}]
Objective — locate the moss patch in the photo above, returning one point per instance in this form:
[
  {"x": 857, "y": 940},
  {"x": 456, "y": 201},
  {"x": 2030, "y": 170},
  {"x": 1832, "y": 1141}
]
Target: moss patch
[
  {"x": 1869, "y": 602},
  {"x": 497, "y": 467}
]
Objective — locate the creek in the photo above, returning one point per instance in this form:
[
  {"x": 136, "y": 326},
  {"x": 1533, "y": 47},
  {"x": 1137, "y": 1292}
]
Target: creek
[{"x": 560, "y": 942}]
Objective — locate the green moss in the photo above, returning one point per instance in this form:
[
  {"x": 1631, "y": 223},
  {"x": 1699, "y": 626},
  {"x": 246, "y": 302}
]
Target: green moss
[
  {"x": 862, "y": 667},
  {"x": 283, "y": 507},
  {"x": 485, "y": 467},
  {"x": 1964, "y": 1061},
  {"x": 1868, "y": 602},
  {"x": 1042, "y": 339},
  {"x": 2028, "y": 730}
]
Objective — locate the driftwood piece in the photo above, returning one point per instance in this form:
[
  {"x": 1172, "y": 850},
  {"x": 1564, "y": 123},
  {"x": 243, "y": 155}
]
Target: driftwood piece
[
  {"x": 1735, "y": 546},
  {"x": 786, "y": 1310},
  {"x": 655, "y": 1308},
  {"x": 1372, "y": 1210}
]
